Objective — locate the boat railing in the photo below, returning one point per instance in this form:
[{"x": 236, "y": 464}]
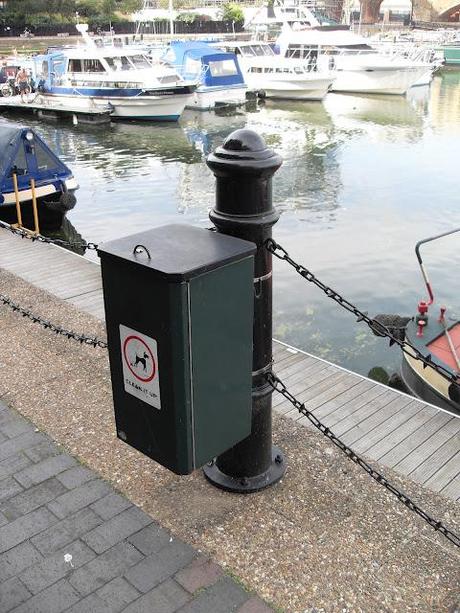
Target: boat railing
[{"x": 409, "y": 51}]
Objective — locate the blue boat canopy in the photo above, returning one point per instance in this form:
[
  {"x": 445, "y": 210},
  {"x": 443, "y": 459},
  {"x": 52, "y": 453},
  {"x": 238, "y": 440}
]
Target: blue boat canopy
[
  {"x": 24, "y": 153},
  {"x": 195, "y": 59}
]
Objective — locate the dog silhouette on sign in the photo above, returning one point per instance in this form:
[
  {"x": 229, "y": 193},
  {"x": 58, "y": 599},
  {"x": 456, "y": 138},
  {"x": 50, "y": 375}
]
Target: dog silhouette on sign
[{"x": 141, "y": 360}]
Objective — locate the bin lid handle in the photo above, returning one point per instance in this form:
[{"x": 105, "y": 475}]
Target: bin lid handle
[{"x": 141, "y": 249}]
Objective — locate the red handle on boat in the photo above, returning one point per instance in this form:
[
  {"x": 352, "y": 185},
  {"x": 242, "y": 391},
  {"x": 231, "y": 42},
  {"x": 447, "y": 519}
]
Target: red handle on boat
[
  {"x": 421, "y": 324},
  {"x": 422, "y": 267}
]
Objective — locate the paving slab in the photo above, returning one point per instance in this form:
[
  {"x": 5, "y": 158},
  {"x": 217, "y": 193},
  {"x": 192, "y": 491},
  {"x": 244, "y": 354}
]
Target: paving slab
[
  {"x": 325, "y": 538},
  {"x": 67, "y": 556}
]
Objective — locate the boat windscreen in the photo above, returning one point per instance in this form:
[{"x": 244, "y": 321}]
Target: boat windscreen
[
  {"x": 223, "y": 68},
  {"x": 139, "y": 61}
]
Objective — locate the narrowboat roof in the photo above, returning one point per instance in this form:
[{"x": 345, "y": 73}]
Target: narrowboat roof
[{"x": 24, "y": 152}]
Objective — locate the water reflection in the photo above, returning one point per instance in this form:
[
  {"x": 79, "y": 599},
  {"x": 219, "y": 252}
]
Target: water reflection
[
  {"x": 445, "y": 102},
  {"x": 363, "y": 179},
  {"x": 309, "y": 182},
  {"x": 67, "y": 232},
  {"x": 388, "y": 118}
]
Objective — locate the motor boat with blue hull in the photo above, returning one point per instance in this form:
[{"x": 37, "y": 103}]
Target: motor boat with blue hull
[
  {"x": 436, "y": 338},
  {"x": 219, "y": 76},
  {"x": 125, "y": 79},
  {"x": 28, "y": 167}
]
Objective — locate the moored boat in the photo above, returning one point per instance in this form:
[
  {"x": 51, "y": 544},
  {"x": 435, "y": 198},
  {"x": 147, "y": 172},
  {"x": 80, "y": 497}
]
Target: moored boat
[
  {"x": 357, "y": 67},
  {"x": 273, "y": 76},
  {"x": 436, "y": 336},
  {"x": 132, "y": 84},
  {"x": 452, "y": 54},
  {"x": 28, "y": 165},
  {"x": 221, "y": 82}
]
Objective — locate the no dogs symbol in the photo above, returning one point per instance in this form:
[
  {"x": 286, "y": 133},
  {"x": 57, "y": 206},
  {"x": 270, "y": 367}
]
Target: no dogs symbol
[
  {"x": 139, "y": 358},
  {"x": 140, "y": 366}
]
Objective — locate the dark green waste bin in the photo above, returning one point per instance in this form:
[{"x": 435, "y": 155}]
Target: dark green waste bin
[{"x": 179, "y": 314}]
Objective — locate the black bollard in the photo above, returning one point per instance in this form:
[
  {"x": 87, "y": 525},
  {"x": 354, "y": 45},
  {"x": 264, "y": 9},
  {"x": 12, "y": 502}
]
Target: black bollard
[{"x": 244, "y": 167}]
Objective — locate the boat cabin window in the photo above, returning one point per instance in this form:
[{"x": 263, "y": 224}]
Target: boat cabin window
[
  {"x": 44, "y": 70},
  {"x": 192, "y": 66},
  {"x": 139, "y": 61},
  {"x": 77, "y": 65},
  {"x": 261, "y": 50},
  {"x": 93, "y": 66},
  {"x": 223, "y": 68},
  {"x": 168, "y": 79}
]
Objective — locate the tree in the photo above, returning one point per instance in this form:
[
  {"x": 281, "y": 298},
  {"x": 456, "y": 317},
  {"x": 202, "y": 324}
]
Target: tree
[
  {"x": 232, "y": 12},
  {"x": 187, "y": 17},
  {"x": 63, "y": 11},
  {"x": 129, "y": 6},
  {"x": 370, "y": 11}
]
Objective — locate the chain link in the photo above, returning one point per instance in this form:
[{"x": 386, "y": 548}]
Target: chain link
[
  {"x": 280, "y": 387},
  {"x": 377, "y": 327},
  {"x": 45, "y": 239},
  {"x": 48, "y": 325}
]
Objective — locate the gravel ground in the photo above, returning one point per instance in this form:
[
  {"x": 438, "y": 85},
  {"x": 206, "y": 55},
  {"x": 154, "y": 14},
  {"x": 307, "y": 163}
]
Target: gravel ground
[{"x": 326, "y": 538}]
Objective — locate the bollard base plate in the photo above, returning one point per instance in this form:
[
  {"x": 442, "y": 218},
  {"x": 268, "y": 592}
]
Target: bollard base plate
[{"x": 247, "y": 485}]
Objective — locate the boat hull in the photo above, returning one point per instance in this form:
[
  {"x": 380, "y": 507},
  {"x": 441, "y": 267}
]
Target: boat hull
[
  {"x": 52, "y": 207},
  {"x": 427, "y": 385},
  {"x": 152, "y": 108},
  {"x": 301, "y": 89},
  {"x": 207, "y": 98},
  {"x": 42, "y": 193},
  {"x": 452, "y": 55},
  {"x": 378, "y": 80}
]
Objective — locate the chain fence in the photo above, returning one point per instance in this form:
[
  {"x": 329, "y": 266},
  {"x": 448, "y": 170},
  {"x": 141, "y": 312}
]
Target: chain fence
[
  {"x": 280, "y": 387},
  {"x": 278, "y": 251},
  {"x": 361, "y": 316},
  {"x": 83, "y": 339},
  {"x": 23, "y": 233}
]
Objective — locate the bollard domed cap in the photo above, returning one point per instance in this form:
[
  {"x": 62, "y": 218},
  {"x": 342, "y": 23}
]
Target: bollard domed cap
[{"x": 245, "y": 147}]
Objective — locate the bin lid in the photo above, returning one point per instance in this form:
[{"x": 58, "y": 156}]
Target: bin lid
[{"x": 178, "y": 252}]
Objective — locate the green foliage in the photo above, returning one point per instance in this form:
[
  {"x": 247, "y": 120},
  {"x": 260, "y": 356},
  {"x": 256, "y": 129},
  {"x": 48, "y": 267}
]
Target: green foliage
[
  {"x": 48, "y": 12},
  {"x": 232, "y": 12},
  {"x": 187, "y": 17}
]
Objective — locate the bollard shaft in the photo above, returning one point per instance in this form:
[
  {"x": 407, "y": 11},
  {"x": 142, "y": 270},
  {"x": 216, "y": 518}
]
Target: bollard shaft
[{"x": 244, "y": 168}]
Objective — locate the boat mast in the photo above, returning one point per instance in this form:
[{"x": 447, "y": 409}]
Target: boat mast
[{"x": 171, "y": 18}]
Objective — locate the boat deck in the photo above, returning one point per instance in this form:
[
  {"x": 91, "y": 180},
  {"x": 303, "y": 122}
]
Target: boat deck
[
  {"x": 412, "y": 437},
  {"x": 44, "y": 105}
]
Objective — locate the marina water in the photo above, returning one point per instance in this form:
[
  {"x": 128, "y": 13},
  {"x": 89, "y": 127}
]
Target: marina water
[{"x": 364, "y": 178}]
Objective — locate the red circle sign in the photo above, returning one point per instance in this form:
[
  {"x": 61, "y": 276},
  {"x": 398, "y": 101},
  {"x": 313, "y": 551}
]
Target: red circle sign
[{"x": 129, "y": 339}]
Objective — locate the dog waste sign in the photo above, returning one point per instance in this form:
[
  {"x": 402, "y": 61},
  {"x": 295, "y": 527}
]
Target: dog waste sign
[{"x": 139, "y": 355}]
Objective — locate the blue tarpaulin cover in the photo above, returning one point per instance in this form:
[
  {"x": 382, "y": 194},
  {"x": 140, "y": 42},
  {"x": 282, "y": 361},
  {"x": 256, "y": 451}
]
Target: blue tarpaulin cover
[
  {"x": 212, "y": 62},
  {"x": 23, "y": 152}
]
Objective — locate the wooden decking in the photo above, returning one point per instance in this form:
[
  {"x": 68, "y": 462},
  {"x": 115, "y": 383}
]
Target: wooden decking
[{"x": 412, "y": 437}]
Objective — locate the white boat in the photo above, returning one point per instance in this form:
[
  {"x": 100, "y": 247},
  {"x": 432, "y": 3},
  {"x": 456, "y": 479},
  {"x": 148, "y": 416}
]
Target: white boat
[
  {"x": 220, "y": 81},
  {"x": 358, "y": 67},
  {"x": 132, "y": 84},
  {"x": 273, "y": 76},
  {"x": 412, "y": 51}
]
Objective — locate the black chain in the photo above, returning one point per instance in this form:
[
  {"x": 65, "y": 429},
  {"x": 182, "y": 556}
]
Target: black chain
[
  {"x": 279, "y": 386},
  {"x": 48, "y": 325},
  {"x": 377, "y": 327},
  {"x": 23, "y": 233}
]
